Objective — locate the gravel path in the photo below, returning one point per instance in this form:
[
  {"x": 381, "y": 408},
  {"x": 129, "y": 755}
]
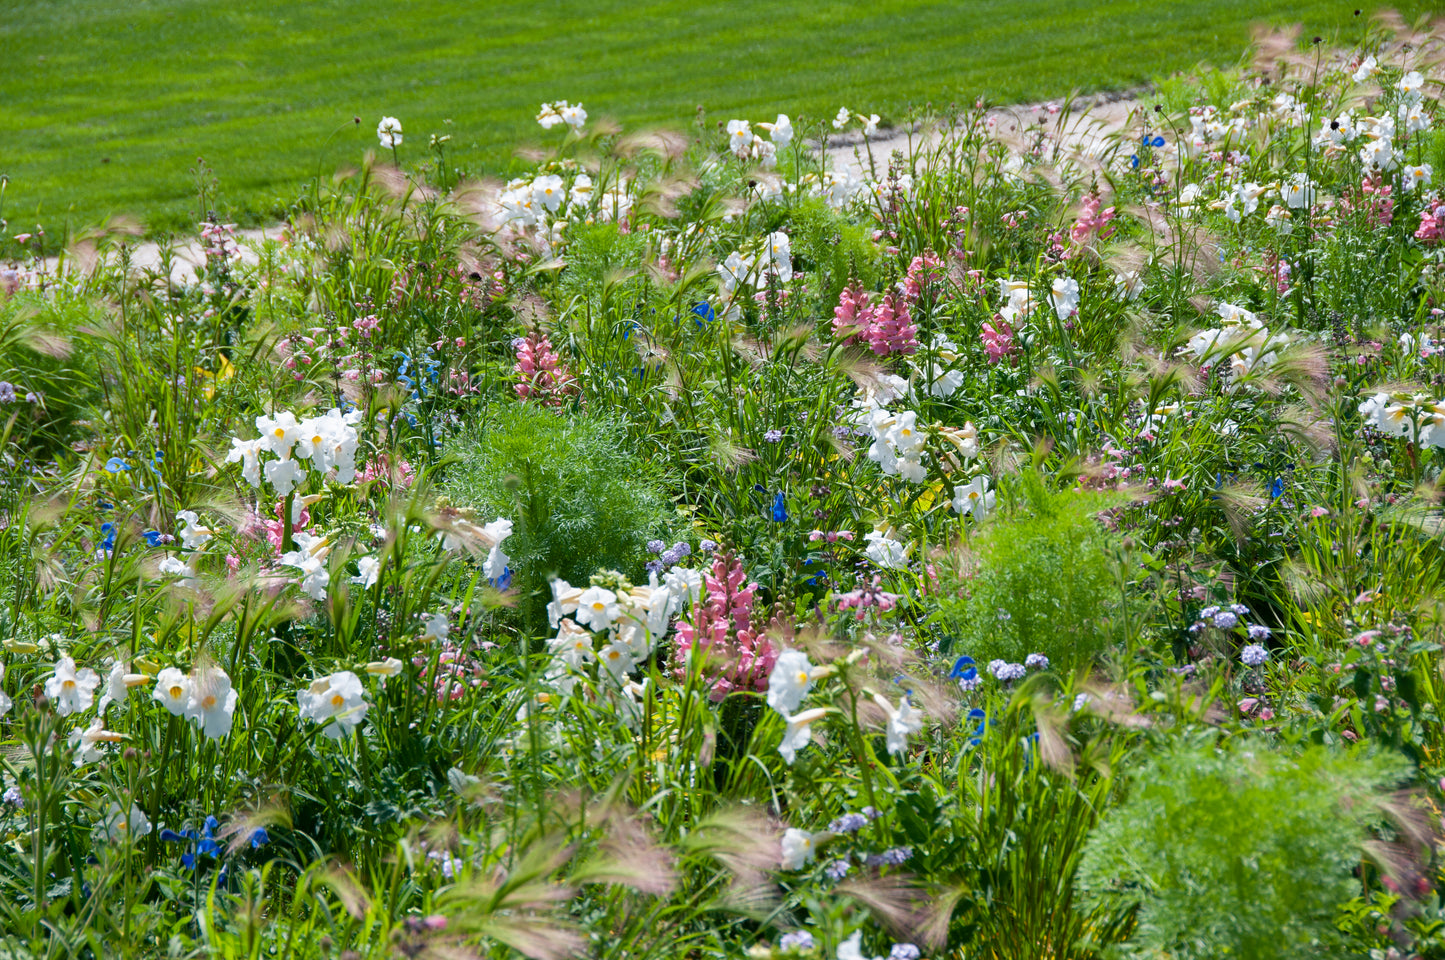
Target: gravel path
[{"x": 1086, "y": 130}]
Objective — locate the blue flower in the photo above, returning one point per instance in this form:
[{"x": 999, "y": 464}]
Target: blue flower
[
  {"x": 704, "y": 311},
  {"x": 202, "y": 843},
  {"x": 1276, "y": 489},
  {"x": 108, "y": 530},
  {"x": 979, "y": 715},
  {"x": 780, "y": 510},
  {"x": 116, "y": 465},
  {"x": 153, "y": 537},
  {"x": 259, "y": 836},
  {"x": 820, "y": 576},
  {"x": 504, "y": 581},
  {"x": 961, "y": 667}
]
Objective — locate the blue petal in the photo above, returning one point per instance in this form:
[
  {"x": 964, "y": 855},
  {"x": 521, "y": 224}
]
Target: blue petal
[{"x": 780, "y": 511}]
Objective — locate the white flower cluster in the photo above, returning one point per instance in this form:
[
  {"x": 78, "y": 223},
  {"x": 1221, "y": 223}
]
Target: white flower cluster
[
  {"x": 1298, "y": 193},
  {"x": 869, "y": 123},
  {"x": 553, "y": 114},
  {"x": 898, "y": 445},
  {"x": 326, "y": 443},
  {"x": 884, "y": 550},
  {"x": 631, "y": 623},
  {"x": 746, "y": 145},
  {"x": 1241, "y": 338},
  {"x": 1375, "y": 136},
  {"x": 338, "y": 697},
  {"x": 751, "y": 269},
  {"x": 193, "y": 538},
  {"x": 791, "y": 680},
  {"x": 1417, "y": 418},
  {"x": 205, "y": 695},
  {"x": 547, "y": 199},
  {"x": 945, "y": 380},
  {"x": 388, "y": 131}
]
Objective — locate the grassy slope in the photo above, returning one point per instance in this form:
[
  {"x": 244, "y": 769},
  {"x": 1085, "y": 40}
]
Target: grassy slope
[{"x": 108, "y": 105}]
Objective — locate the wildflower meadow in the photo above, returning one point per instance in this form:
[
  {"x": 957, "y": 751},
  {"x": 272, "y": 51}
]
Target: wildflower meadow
[{"x": 700, "y": 546}]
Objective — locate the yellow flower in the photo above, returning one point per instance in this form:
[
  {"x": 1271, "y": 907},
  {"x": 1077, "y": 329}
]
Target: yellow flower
[{"x": 224, "y": 372}]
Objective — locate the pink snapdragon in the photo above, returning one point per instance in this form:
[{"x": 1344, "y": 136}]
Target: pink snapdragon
[
  {"x": 924, "y": 272},
  {"x": 886, "y": 326},
  {"x": 381, "y": 469},
  {"x": 1092, "y": 224},
  {"x": 890, "y": 328},
  {"x": 739, "y": 656},
  {"x": 1432, "y": 223},
  {"x": 541, "y": 372},
  {"x": 850, "y": 315},
  {"x": 998, "y": 341}
]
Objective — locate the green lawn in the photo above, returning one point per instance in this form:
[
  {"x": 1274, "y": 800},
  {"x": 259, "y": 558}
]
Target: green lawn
[{"x": 107, "y": 105}]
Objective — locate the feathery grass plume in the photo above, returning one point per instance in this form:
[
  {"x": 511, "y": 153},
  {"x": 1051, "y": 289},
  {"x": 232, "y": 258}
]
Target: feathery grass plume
[
  {"x": 1240, "y": 502},
  {"x": 1180, "y": 245},
  {"x": 519, "y": 906},
  {"x": 629, "y": 856},
  {"x": 910, "y": 911},
  {"x": 748, "y": 844}
]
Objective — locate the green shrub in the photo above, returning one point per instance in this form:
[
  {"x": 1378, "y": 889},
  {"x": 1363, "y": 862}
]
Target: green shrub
[
  {"x": 1038, "y": 580},
  {"x": 579, "y": 500},
  {"x": 1245, "y": 852}
]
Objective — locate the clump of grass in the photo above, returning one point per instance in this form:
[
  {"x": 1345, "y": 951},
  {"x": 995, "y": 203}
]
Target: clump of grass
[
  {"x": 579, "y": 499},
  {"x": 1037, "y": 580}
]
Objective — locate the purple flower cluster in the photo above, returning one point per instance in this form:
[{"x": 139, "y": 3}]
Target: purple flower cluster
[
  {"x": 1036, "y": 661},
  {"x": 1253, "y": 655},
  {"x": 848, "y": 823},
  {"x": 837, "y": 869},
  {"x": 904, "y": 951},
  {"x": 891, "y": 857},
  {"x": 670, "y": 557},
  {"x": 1006, "y": 672},
  {"x": 799, "y": 940}
]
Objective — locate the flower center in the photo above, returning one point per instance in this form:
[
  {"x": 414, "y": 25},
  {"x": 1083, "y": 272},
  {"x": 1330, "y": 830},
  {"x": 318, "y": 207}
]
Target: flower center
[
  {"x": 176, "y": 692},
  {"x": 68, "y": 684},
  {"x": 337, "y": 699}
]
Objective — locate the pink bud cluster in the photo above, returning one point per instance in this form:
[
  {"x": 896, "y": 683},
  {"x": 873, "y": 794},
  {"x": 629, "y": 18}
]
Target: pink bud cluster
[
  {"x": 1375, "y": 201},
  {"x": 455, "y": 674},
  {"x": 381, "y": 470},
  {"x": 1092, "y": 224},
  {"x": 542, "y": 374},
  {"x": 219, "y": 243},
  {"x": 886, "y": 326},
  {"x": 923, "y": 272},
  {"x": 738, "y": 656},
  {"x": 998, "y": 341},
  {"x": 868, "y": 596},
  {"x": 1432, "y": 223}
]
